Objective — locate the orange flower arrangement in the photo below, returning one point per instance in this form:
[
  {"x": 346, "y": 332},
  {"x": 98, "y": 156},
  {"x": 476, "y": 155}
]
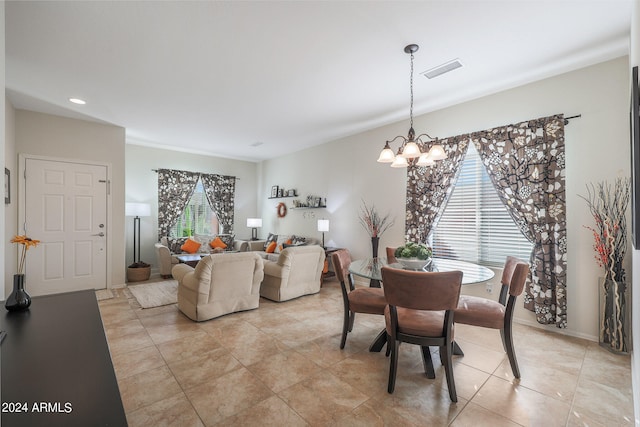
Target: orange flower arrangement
[{"x": 26, "y": 243}]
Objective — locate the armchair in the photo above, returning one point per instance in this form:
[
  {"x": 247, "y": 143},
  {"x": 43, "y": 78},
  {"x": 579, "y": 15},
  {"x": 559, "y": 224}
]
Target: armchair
[
  {"x": 220, "y": 284},
  {"x": 296, "y": 272}
]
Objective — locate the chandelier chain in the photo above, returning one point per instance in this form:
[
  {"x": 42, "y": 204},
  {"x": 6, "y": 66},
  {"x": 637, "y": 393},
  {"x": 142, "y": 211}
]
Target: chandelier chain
[{"x": 411, "y": 89}]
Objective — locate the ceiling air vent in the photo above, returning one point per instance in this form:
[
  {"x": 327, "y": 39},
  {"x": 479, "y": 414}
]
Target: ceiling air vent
[{"x": 443, "y": 68}]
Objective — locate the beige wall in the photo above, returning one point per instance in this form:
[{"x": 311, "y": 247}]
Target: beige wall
[
  {"x": 346, "y": 171},
  {"x": 4, "y": 147},
  {"x": 63, "y": 138},
  {"x": 634, "y": 60},
  {"x": 142, "y": 186},
  {"x": 11, "y": 210}
]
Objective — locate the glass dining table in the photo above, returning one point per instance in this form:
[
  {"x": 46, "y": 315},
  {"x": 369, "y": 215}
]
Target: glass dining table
[
  {"x": 370, "y": 268},
  {"x": 471, "y": 273}
]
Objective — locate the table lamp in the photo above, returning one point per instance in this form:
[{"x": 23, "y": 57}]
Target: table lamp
[
  {"x": 254, "y": 224},
  {"x": 323, "y": 225}
]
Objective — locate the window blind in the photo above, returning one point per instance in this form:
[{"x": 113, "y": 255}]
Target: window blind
[
  {"x": 197, "y": 217},
  {"x": 475, "y": 225}
]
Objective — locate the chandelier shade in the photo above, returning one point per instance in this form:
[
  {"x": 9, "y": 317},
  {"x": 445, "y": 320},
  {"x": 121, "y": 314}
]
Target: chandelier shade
[{"x": 409, "y": 149}]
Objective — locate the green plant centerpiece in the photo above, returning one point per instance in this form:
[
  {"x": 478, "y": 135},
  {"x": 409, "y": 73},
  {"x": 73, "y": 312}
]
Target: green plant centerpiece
[{"x": 414, "y": 256}]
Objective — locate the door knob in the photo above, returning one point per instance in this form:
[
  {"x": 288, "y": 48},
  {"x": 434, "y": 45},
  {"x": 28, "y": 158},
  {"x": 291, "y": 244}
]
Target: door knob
[{"x": 101, "y": 234}]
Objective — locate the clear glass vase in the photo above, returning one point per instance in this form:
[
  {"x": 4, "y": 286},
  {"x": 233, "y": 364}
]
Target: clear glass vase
[{"x": 614, "y": 316}]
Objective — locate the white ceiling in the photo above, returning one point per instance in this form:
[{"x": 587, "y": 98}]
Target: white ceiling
[{"x": 216, "y": 77}]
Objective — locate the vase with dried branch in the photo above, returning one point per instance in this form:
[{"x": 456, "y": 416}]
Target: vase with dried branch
[
  {"x": 375, "y": 224},
  {"x": 608, "y": 204}
]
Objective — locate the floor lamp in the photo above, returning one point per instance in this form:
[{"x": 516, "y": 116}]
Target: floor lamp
[{"x": 137, "y": 210}]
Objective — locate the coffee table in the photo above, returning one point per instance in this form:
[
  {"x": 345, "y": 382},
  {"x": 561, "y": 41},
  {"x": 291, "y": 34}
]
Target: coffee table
[{"x": 190, "y": 259}]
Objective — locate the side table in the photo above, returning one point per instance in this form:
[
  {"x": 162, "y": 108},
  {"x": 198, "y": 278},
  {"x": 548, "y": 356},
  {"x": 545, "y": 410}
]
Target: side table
[{"x": 326, "y": 272}]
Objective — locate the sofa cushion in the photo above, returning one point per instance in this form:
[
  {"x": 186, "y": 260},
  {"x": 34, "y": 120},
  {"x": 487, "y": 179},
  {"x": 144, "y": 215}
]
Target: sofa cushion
[
  {"x": 191, "y": 246},
  {"x": 217, "y": 243},
  {"x": 298, "y": 240},
  {"x": 227, "y": 239},
  {"x": 272, "y": 238},
  {"x": 271, "y": 248},
  {"x": 282, "y": 240},
  {"x": 175, "y": 243}
]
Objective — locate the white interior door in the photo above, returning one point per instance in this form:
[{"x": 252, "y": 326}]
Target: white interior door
[{"x": 66, "y": 209}]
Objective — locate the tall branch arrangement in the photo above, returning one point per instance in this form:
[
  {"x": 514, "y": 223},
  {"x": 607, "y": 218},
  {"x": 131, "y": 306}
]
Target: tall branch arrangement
[
  {"x": 608, "y": 205},
  {"x": 373, "y": 222}
]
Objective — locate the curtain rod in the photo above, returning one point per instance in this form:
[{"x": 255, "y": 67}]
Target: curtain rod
[
  {"x": 156, "y": 171},
  {"x": 566, "y": 119}
]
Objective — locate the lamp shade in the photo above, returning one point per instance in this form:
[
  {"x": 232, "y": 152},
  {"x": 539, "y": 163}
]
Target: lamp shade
[
  {"x": 254, "y": 222},
  {"x": 436, "y": 152},
  {"x": 386, "y": 155},
  {"x": 425, "y": 160},
  {"x": 137, "y": 209},
  {"x": 323, "y": 225},
  {"x": 411, "y": 150}
]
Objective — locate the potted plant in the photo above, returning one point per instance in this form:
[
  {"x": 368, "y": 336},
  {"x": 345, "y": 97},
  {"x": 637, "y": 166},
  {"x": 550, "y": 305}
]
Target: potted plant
[{"x": 414, "y": 256}]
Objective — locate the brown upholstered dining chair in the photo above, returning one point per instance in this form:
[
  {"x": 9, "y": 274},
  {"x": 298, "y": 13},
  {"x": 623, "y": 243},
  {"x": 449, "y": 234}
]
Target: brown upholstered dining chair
[
  {"x": 391, "y": 255},
  {"x": 488, "y": 313},
  {"x": 421, "y": 311},
  {"x": 360, "y": 300}
]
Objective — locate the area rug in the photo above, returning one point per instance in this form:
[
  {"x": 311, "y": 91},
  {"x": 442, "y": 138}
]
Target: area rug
[{"x": 155, "y": 294}]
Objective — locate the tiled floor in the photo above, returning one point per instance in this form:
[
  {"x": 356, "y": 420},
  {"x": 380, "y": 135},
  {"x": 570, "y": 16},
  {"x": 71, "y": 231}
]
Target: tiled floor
[{"x": 281, "y": 365}]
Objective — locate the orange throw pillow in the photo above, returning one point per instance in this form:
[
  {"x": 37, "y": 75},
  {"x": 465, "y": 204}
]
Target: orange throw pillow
[
  {"x": 281, "y": 247},
  {"x": 271, "y": 248},
  {"x": 190, "y": 246},
  {"x": 218, "y": 243}
]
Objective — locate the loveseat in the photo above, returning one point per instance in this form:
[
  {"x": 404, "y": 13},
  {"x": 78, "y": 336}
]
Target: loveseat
[
  {"x": 169, "y": 247},
  {"x": 296, "y": 272},
  {"x": 220, "y": 284}
]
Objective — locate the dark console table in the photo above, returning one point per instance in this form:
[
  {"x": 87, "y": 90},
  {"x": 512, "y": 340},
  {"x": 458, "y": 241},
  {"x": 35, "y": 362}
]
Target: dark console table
[{"x": 56, "y": 368}]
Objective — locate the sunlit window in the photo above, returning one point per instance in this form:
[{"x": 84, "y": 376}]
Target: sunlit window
[
  {"x": 197, "y": 217},
  {"x": 475, "y": 225}
]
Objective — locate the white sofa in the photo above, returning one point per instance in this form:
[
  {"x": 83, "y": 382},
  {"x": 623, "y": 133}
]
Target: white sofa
[
  {"x": 296, "y": 272},
  {"x": 167, "y": 249},
  {"x": 220, "y": 284},
  {"x": 259, "y": 246}
]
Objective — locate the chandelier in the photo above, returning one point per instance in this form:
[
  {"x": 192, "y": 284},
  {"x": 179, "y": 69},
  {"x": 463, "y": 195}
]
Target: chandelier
[{"x": 409, "y": 150}]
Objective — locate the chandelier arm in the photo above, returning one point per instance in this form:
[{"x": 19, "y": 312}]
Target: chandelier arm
[
  {"x": 404, "y": 139},
  {"x": 427, "y": 135}
]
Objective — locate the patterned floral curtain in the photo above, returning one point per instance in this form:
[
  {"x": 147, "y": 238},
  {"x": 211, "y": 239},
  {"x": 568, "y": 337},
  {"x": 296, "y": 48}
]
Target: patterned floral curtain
[
  {"x": 220, "y": 191},
  {"x": 526, "y": 163},
  {"x": 429, "y": 189},
  {"x": 175, "y": 189}
]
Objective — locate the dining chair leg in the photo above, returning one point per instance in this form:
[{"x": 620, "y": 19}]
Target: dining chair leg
[
  {"x": 504, "y": 341},
  {"x": 511, "y": 353},
  {"x": 345, "y": 329},
  {"x": 448, "y": 369},
  {"x": 456, "y": 349},
  {"x": 351, "y": 320},
  {"x": 393, "y": 363},
  {"x": 427, "y": 362}
]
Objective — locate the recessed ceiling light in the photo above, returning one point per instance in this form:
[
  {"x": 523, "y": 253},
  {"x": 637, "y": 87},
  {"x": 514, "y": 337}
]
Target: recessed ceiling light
[
  {"x": 442, "y": 68},
  {"x": 77, "y": 101}
]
